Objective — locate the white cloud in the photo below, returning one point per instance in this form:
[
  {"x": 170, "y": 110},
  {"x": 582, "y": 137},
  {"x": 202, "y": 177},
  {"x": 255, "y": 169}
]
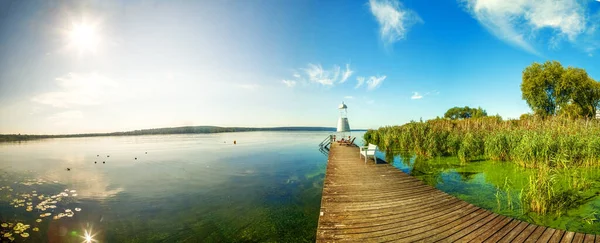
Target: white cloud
[
  {"x": 416, "y": 96},
  {"x": 317, "y": 74},
  {"x": 349, "y": 97},
  {"x": 65, "y": 117},
  {"x": 79, "y": 90},
  {"x": 347, "y": 73},
  {"x": 289, "y": 83},
  {"x": 360, "y": 81},
  {"x": 374, "y": 82},
  {"x": 518, "y": 22},
  {"x": 394, "y": 20}
]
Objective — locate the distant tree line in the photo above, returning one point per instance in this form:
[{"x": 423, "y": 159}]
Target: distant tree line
[
  {"x": 456, "y": 113},
  {"x": 169, "y": 130}
]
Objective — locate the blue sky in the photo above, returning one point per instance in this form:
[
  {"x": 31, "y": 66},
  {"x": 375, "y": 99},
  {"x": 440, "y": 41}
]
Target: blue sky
[{"x": 101, "y": 66}]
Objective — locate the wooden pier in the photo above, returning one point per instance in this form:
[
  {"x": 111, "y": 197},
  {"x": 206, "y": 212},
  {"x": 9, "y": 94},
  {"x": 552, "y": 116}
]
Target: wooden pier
[{"x": 376, "y": 202}]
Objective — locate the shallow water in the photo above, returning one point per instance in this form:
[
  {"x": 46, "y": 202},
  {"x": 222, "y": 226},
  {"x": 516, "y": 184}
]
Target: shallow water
[
  {"x": 492, "y": 185},
  {"x": 196, "y": 188}
]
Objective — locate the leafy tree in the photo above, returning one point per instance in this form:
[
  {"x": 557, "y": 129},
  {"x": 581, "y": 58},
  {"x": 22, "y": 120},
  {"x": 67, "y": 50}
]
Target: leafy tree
[
  {"x": 538, "y": 87},
  {"x": 549, "y": 89},
  {"x": 455, "y": 113}
]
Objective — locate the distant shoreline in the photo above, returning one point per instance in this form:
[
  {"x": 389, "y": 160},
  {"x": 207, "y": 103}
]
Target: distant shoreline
[{"x": 169, "y": 130}]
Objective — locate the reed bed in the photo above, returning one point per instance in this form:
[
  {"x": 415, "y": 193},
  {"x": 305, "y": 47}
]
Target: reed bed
[
  {"x": 556, "y": 148},
  {"x": 530, "y": 143}
]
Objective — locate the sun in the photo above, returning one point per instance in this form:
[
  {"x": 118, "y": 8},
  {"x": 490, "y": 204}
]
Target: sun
[{"x": 84, "y": 37}]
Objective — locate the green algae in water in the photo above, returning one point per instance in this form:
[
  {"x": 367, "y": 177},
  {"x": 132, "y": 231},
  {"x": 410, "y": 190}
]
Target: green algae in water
[{"x": 496, "y": 186}]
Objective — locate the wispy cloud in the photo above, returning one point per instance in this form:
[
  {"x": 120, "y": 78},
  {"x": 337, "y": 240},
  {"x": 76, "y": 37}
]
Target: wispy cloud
[
  {"x": 416, "y": 96},
  {"x": 359, "y": 82},
  {"x": 289, "y": 83},
  {"x": 317, "y": 74},
  {"x": 349, "y": 97},
  {"x": 374, "y": 82},
  {"x": 79, "y": 90},
  {"x": 519, "y": 22},
  {"x": 347, "y": 73},
  {"x": 394, "y": 19}
]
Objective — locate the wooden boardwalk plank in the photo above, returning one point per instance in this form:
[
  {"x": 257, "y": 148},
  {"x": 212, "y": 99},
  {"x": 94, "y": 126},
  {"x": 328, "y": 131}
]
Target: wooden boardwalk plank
[
  {"x": 522, "y": 237},
  {"x": 514, "y": 232},
  {"x": 545, "y": 237},
  {"x": 589, "y": 238},
  {"x": 376, "y": 202},
  {"x": 537, "y": 233},
  {"x": 483, "y": 233},
  {"x": 578, "y": 238},
  {"x": 557, "y": 236}
]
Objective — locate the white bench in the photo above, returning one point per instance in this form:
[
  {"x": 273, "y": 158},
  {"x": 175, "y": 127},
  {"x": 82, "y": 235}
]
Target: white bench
[{"x": 368, "y": 151}]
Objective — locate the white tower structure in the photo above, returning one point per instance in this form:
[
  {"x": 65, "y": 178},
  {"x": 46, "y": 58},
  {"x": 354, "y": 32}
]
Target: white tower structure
[{"x": 343, "y": 128}]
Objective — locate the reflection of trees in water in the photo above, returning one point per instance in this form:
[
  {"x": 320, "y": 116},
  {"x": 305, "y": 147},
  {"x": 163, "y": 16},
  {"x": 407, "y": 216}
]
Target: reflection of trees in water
[
  {"x": 405, "y": 157},
  {"x": 466, "y": 175},
  {"x": 426, "y": 171},
  {"x": 389, "y": 157}
]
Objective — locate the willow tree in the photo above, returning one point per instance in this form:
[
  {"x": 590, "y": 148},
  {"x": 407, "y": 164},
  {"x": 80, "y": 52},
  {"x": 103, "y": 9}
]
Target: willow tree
[{"x": 550, "y": 89}]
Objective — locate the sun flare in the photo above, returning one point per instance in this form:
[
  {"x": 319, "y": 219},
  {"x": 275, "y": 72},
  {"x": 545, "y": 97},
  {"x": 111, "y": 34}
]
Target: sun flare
[{"x": 84, "y": 37}]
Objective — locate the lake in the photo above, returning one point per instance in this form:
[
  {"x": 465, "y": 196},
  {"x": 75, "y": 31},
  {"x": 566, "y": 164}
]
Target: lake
[{"x": 165, "y": 188}]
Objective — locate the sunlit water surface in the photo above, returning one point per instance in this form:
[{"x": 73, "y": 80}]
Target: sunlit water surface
[{"x": 195, "y": 188}]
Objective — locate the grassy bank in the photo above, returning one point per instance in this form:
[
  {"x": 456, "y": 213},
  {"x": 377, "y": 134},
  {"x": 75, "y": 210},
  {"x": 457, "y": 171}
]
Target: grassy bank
[{"x": 551, "y": 146}]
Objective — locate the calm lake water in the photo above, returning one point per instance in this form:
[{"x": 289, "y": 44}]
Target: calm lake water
[
  {"x": 196, "y": 188},
  {"x": 492, "y": 185}
]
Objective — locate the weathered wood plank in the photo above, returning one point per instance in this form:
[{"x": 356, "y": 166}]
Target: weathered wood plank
[
  {"x": 514, "y": 232},
  {"x": 589, "y": 238},
  {"x": 483, "y": 233},
  {"x": 522, "y": 237},
  {"x": 557, "y": 236},
  {"x": 545, "y": 237},
  {"x": 578, "y": 238},
  {"x": 537, "y": 233}
]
